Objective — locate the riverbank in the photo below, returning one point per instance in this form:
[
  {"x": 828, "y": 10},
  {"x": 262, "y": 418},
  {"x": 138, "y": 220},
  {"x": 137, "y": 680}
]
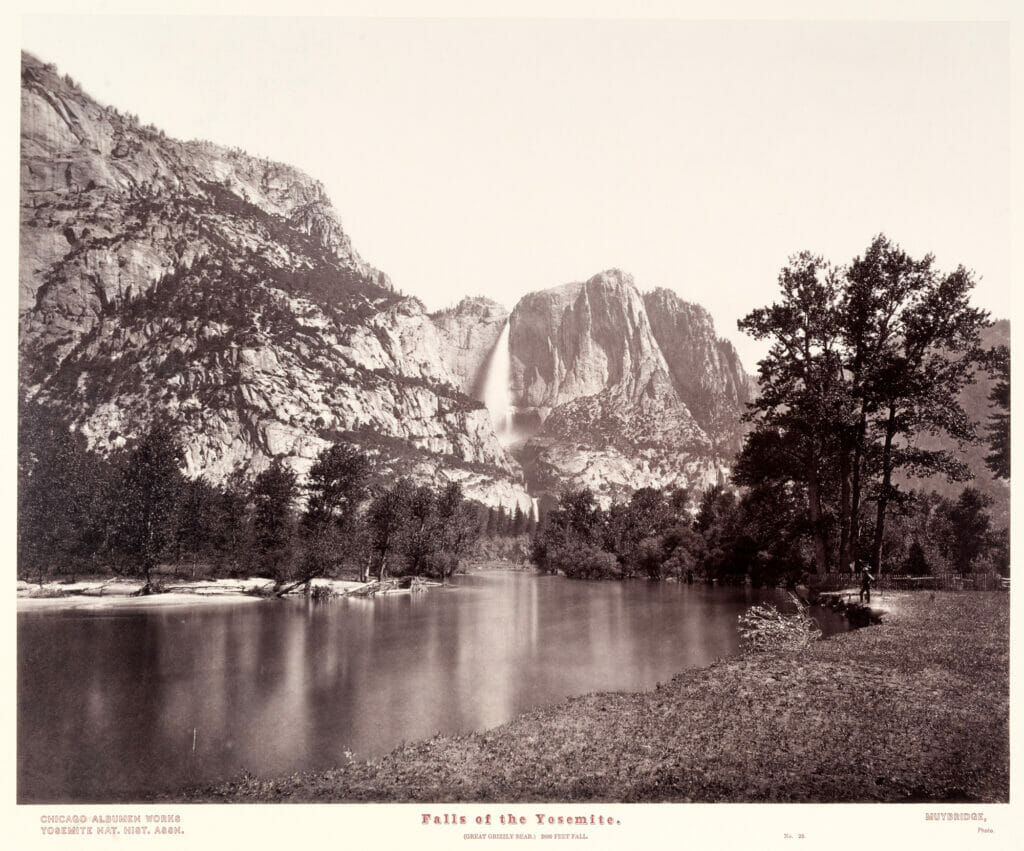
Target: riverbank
[
  {"x": 914, "y": 709},
  {"x": 119, "y": 592}
]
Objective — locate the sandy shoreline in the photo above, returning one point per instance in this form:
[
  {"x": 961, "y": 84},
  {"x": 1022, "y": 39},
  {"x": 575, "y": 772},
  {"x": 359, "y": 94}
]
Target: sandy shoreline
[{"x": 120, "y": 593}]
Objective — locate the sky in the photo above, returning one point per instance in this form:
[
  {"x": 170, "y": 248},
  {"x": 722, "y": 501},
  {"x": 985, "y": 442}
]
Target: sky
[{"x": 496, "y": 157}]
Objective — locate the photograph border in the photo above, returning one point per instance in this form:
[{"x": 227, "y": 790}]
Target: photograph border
[{"x": 766, "y": 826}]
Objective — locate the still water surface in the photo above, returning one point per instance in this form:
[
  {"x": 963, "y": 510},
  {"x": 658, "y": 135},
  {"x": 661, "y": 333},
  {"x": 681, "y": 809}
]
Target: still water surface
[{"x": 115, "y": 703}]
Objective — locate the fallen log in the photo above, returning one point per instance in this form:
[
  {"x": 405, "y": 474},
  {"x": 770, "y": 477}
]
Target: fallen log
[{"x": 372, "y": 588}]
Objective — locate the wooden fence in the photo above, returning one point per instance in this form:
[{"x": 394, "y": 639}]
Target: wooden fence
[{"x": 899, "y": 582}]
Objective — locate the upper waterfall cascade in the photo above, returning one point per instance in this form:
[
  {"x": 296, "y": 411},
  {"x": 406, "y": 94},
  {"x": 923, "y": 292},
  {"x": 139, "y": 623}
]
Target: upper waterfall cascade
[{"x": 497, "y": 386}]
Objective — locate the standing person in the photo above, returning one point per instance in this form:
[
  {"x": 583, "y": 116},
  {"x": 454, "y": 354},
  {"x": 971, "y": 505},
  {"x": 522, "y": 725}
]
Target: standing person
[{"x": 865, "y": 583}]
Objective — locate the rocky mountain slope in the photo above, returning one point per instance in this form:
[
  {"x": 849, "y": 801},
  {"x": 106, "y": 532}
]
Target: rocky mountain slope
[
  {"x": 974, "y": 399},
  {"x": 705, "y": 369},
  {"x": 188, "y": 280}
]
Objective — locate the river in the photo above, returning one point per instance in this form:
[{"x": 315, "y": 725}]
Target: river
[{"x": 117, "y": 703}]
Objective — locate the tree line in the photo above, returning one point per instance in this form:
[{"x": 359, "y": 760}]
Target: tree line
[
  {"x": 729, "y": 536},
  {"x": 134, "y": 512}
]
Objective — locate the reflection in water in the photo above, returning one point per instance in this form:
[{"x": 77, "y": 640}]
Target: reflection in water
[{"x": 113, "y": 704}]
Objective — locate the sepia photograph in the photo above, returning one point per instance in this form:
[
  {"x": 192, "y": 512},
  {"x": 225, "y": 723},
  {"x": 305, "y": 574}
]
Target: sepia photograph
[{"x": 512, "y": 430}]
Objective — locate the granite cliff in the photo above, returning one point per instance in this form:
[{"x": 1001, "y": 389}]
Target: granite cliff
[
  {"x": 469, "y": 333},
  {"x": 705, "y": 369},
  {"x": 615, "y": 390}
]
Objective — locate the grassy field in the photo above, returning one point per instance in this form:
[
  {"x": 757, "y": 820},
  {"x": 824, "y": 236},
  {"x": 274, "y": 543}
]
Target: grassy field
[{"x": 915, "y": 709}]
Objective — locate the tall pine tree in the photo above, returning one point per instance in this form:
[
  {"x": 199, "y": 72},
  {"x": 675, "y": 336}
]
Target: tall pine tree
[{"x": 149, "y": 497}]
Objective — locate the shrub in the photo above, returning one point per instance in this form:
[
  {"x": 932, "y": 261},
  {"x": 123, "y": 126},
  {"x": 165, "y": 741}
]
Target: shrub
[
  {"x": 441, "y": 564},
  {"x": 766, "y": 628},
  {"x": 579, "y": 560}
]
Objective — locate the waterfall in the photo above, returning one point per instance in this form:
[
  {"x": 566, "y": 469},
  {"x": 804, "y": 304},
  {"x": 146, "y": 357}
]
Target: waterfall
[
  {"x": 535, "y": 508},
  {"x": 496, "y": 391}
]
